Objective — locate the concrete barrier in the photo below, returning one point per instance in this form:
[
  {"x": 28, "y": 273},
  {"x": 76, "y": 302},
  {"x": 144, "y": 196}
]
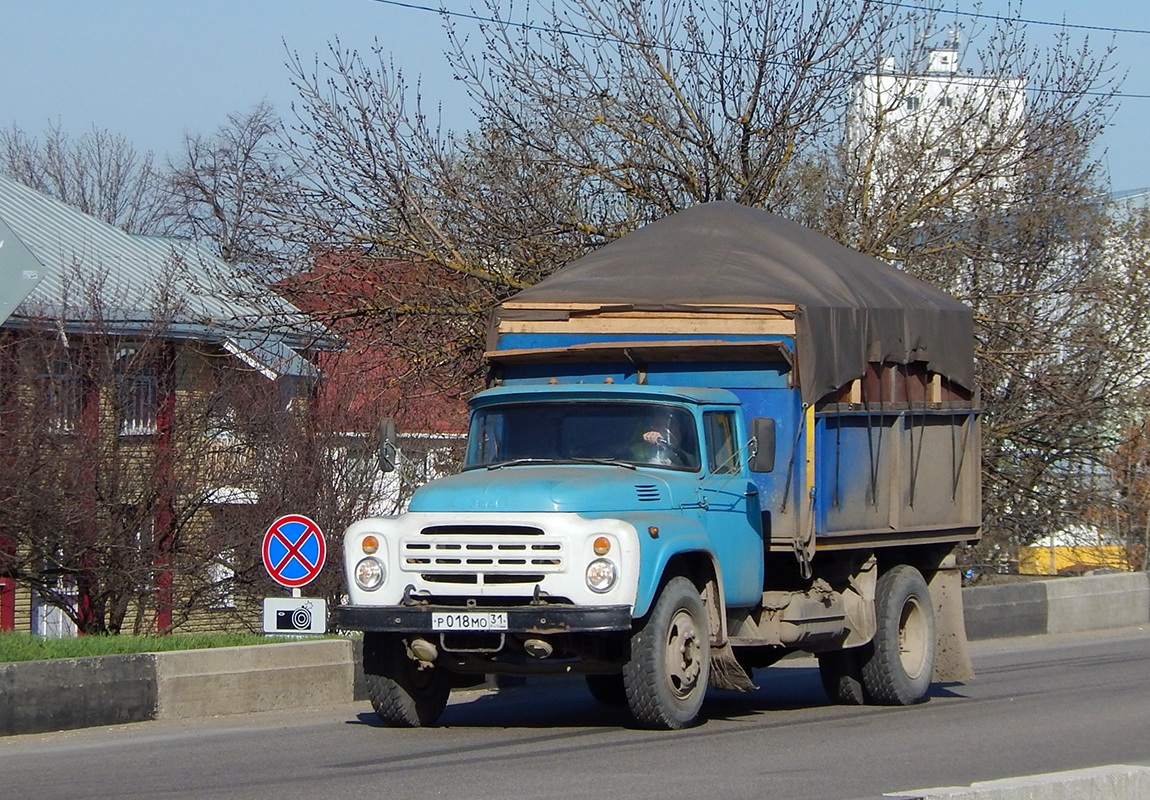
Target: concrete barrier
[
  {"x": 1110, "y": 600},
  {"x": 240, "y": 680},
  {"x": 1013, "y": 609},
  {"x": 38, "y": 696},
  {"x": 1113, "y": 782},
  {"x": 1098, "y": 601},
  {"x": 62, "y": 694}
]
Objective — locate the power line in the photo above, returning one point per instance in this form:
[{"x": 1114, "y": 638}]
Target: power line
[
  {"x": 444, "y": 12},
  {"x": 1022, "y": 20}
]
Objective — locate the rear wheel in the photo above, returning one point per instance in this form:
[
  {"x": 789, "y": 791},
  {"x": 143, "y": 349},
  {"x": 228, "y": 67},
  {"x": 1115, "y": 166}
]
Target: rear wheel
[
  {"x": 841, "y": 674},
  {"x": 402, "y": 694},
  {"x": 901, "y": 661},
  {"x": 666, "y": 677}
]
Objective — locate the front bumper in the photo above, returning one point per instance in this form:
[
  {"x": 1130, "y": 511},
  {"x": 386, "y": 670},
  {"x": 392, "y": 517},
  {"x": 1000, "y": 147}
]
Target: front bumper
[{"x": 536, "y": 620}]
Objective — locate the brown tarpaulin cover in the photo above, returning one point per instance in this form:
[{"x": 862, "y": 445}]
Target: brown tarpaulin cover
[{"x": 851, "y": 308}]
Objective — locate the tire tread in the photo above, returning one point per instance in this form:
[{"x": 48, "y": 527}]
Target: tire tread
[
  {"x": 884, "y": 680},
  {"x": 647, "y": 694}
]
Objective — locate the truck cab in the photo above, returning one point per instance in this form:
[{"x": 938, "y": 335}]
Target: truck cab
[{"x": 573, "y": 506}]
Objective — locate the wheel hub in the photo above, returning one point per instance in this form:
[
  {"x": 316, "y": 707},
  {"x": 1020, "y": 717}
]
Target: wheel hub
[
  {"x": 682, "y": 654},
  {"x": 912, "y": 638}
]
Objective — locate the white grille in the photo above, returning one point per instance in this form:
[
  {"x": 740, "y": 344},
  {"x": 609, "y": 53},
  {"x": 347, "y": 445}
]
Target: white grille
[{"x": 481, "y": 555}]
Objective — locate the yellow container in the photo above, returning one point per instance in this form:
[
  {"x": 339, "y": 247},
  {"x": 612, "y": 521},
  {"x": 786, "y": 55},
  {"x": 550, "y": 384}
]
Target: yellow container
[{"x": 1045, "y": 560}]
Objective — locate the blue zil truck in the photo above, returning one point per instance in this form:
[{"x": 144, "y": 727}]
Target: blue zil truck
[{"x": 718, "y": 440}]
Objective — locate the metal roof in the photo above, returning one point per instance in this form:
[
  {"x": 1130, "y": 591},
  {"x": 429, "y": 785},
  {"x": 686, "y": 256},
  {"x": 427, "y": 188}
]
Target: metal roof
[{"x": 143, "y": 279}]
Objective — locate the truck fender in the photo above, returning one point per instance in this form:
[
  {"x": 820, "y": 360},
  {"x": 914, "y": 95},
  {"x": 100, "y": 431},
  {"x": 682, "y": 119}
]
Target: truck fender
[{"x": 677, "y": 539}]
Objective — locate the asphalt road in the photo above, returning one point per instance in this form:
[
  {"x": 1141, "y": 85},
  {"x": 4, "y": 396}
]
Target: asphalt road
[{"x": 1038, "y": 705}]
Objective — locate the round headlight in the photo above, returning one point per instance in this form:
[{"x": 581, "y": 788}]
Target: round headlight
[
  {"x": 601, "y": 575},
  {"x": 369, "y": 574}
]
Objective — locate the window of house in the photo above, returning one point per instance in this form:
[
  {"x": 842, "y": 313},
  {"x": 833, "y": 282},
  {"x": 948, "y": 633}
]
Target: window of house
[
  {"x": 137, "y": 538},
  {"x": 221, "y": 576},
  {"x": 62, "y": 395},
  {"x": 722, "y": 444},
  {"x": 912, "y": 102},
  {"x": 222, "y": 423},
  {"x": 137, "y": 393}
]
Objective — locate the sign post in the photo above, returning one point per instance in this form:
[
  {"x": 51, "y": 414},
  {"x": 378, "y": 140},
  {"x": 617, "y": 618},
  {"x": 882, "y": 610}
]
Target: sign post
[{"x": 294, "y": 552}]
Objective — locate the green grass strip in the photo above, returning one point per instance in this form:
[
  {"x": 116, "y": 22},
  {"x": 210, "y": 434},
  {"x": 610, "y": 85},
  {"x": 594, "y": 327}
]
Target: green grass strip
[{"x": 26, "y": 647}]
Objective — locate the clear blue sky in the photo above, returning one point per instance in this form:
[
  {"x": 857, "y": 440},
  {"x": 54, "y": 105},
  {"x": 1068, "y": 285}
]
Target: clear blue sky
[{"x": 152, "y": 69}]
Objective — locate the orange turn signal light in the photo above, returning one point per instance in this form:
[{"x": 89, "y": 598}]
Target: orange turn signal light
[
  {"x": 370, "y": 544},
  {"x": 602, "y": 546}
]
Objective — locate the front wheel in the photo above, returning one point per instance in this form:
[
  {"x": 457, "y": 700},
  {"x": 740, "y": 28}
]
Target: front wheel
[
  {"x": 900, "y": 663},
  {"x": 402, "y": 694},
  {"x": 666, "y": 677}
]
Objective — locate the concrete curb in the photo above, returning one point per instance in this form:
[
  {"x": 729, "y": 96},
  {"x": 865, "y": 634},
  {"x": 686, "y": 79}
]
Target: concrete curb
[
  {"x": 1113, "y": 782},
  {"x": 40, "y": 696}
]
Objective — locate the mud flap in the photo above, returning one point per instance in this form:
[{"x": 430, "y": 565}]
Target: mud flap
[
  {"x": 727, "y": 672},
  {"x": 952, "y": 658}
]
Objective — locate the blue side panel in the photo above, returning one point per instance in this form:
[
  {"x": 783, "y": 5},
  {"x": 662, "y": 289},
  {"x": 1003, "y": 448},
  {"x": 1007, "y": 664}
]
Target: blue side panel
[
  {"x": 518, "y": 374},
  {"x": 727, "y": 375},
  {"x": 854, "y": 470},
  {"x": 705, "y": 374},
  {"x": 541, "y": 341},
  {"x": 678, "y": 373},
  {"x": 899, "y": 471}
]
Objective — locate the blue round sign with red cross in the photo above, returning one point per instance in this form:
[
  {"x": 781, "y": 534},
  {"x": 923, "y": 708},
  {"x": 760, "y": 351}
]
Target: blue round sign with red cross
[{"x": 294, "y": 550}]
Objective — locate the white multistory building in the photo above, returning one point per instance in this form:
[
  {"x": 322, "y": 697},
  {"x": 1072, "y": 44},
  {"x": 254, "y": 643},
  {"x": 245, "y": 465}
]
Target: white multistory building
[{"x": 934, "y": 128}]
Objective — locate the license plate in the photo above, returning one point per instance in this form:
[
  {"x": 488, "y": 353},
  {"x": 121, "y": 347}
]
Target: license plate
[{"x": 469, "y": 620}]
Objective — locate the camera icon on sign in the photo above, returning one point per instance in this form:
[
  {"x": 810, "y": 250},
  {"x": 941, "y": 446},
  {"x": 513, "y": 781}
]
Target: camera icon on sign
[{"x": 294, "y": 619}]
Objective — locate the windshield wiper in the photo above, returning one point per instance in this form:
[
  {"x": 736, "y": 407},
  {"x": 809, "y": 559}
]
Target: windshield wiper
[
  {"x": 514, "y": 462},
  {"x": 610, "y": 462},
  {"x": 517, "y": 461}
]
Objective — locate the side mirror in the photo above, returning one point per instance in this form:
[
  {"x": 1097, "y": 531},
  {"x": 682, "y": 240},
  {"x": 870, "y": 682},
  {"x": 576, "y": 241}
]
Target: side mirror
[
  {"x": 762, "y": 444},
  {"x": 388, "y": 451}
]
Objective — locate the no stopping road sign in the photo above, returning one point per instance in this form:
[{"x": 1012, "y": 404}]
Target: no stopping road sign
[{"x": 294, "y": 550}]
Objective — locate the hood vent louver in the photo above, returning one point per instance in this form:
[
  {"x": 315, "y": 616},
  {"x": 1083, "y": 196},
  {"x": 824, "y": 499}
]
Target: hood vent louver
[{"x": 647, "y": 493}]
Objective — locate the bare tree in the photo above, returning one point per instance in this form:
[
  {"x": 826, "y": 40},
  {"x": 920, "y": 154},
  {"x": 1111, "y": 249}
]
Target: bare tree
[
  {"x": 992, "y": 192},
  {"x": 1120, "y": 503},
  {"x": 591, "y": 122},
  {"x": 597, "y": 116},
  {"x": 99, "y": 173},
  {"x": 224, "y": 187}
]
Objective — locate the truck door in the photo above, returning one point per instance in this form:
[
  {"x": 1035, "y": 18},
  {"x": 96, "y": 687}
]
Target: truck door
[{"x": 732, "y": 510}]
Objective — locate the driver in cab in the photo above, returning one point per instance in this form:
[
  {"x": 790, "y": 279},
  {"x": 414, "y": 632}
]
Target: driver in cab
[{"x": 662, "y": 442}]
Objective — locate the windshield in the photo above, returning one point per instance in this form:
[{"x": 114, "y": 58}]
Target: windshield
[{"x": 614, "y": 432}]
